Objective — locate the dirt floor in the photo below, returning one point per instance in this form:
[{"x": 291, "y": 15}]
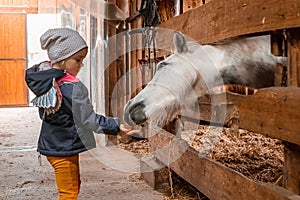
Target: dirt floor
[{"x": 23, "y": 178}]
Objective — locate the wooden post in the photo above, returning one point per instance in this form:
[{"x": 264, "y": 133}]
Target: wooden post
[
  {"x": 155, "y": 173},
  {"x": 111, "y": 80},
  {"x": 291, "y": 173},
  {"x": 292, "y": 151},
  {"x": 121, "y": 70},
  {"x": 278, "y": 48},
  {"x": 133, "y": 59},
  {"x": 293, "y": 57},
  {"x": 174, "y": 126},
  {"x": 121, "y": 62},
  {"x": 139, "y": 55},
  {"x": 106, "y": 73}
]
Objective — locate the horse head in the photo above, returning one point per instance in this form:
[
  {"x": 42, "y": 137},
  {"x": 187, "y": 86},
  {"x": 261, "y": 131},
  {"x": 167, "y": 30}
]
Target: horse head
[{"x": 176, "y": 84}]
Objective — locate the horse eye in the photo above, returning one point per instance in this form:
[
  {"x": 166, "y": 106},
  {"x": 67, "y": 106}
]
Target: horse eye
[{"x": 161, "y": 65}]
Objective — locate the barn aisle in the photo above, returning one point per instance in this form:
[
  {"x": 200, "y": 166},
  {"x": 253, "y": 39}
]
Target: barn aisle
[{"x": 23, "y": 178}]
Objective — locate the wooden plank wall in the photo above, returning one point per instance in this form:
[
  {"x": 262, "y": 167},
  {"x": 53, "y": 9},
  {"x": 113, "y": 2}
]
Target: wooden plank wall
[
  {"x": 191, "y": 4},
  {"x": 19, "y": 6},
  {"x": 219, "y": 20},
  {"x": 13, "y": 44},
  {"x": 13, "y": 88},
  {"x": 277, "y": 107},
  {"x": 136, "y": 53}
]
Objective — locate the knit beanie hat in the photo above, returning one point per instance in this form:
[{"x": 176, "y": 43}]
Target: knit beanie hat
[{"x": 61, "y": 43}]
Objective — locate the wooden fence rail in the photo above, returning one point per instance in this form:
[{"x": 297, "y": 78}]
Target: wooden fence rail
[
  {"x": 223, "y": 19},
  {"x": 270, "y": 111},
  {"x": 210, "y": 177}
]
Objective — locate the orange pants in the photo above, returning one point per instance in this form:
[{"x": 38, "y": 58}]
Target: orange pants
[{"x": 67, "y": 176}]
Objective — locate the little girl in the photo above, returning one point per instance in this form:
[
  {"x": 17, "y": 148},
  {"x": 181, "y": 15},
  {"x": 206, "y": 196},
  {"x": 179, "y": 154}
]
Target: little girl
[{"x": 64, "y": 106}]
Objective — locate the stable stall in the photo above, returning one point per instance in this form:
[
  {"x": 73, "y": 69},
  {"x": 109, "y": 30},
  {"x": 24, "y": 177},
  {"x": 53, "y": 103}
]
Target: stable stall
[{"x": 272, "y": 112}]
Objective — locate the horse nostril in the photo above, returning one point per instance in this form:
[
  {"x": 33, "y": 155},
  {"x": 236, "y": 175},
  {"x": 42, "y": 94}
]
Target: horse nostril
[
  {"x": 135, "y": 113},
  {"x": 138, "y": 116}
]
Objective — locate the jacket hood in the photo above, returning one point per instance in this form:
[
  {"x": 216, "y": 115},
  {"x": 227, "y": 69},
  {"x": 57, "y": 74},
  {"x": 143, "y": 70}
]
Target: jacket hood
[{"x": 39, "y": 78}]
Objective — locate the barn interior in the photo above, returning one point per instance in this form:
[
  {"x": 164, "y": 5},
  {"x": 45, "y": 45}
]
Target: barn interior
[{"x": 256, "y": 154}]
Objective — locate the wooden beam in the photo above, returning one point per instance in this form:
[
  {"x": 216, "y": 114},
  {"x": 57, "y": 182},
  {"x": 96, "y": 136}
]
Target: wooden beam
[
  {"x": 223, "y": 19},
  {"x": 210, "y": 177},
  {"x": 19, "y": 9},
  {"x": 273, "y": 112},
  {"x": 270, "y": 111}
]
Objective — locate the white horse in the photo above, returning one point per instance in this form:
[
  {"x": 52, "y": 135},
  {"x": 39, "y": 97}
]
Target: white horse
[{"x": 194, "y": 70}]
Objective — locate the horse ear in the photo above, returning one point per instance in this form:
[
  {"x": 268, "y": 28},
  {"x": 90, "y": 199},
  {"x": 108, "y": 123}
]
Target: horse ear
[{"x": 180, "y": 42}]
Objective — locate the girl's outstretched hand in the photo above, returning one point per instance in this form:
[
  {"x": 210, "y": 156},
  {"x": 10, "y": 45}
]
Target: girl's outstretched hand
[
  {"x": 125, "y": 128},
  {"x": 124, "y": 135}
]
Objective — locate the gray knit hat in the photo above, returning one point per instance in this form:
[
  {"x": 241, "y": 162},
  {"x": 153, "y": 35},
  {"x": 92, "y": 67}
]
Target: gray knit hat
[{"x": 61, "y": 43}]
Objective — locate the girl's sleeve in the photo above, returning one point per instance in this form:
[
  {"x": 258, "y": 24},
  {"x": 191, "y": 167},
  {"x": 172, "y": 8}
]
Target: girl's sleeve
[{"x": 85, "y": 116}]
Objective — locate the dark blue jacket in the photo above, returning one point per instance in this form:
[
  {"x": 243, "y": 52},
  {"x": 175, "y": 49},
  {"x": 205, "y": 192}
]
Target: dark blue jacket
[{"x": 69, "y": 130}]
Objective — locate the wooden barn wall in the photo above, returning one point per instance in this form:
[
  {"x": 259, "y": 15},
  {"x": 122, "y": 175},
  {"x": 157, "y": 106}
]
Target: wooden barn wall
[
  {"x": 141, "y": 72},
  {"x": 206, "y": 24},
  {"x": 19, "y": 6},
  {"x": 166, "y": 9},
  {"x": 115, "y": 97},
  {"x": 135, "y": 53},
  {"x": 115, "y": 83},
  {"x": 190, "y": 4},
  {"x": 117, "y": 69}
]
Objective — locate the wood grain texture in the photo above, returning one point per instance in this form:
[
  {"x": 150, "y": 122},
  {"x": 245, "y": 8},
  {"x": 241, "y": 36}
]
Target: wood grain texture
[
  {"x": 291, "y": 172},
  {"x": 219, "y": 20},
  {"x": 210, "y": 177},
  {"x": 271, "y": 111}
]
